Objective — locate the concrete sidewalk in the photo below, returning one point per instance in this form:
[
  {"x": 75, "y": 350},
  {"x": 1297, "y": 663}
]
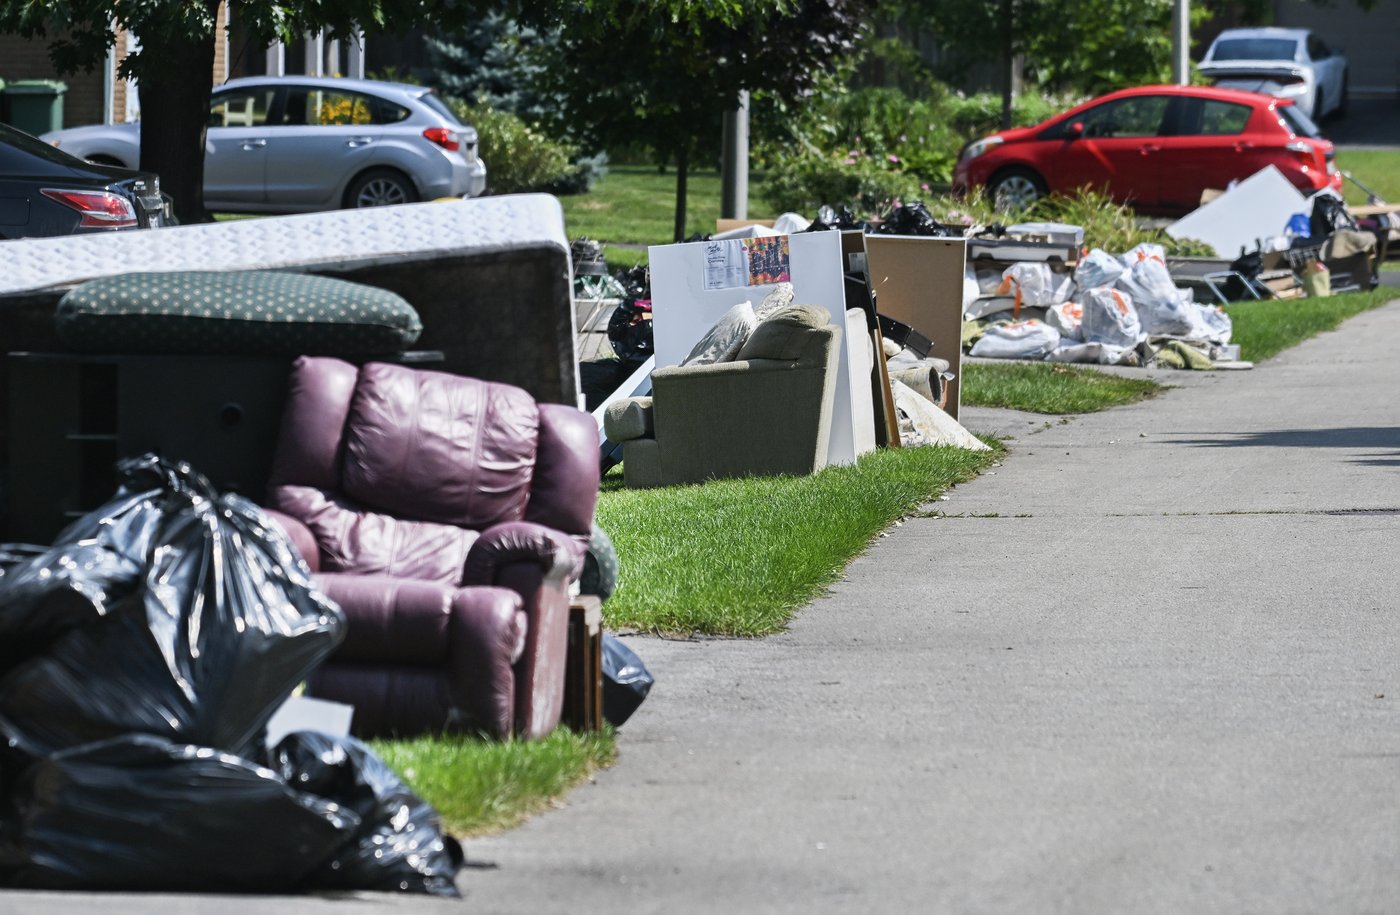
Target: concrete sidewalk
[{"x": 1147, "y": 665}]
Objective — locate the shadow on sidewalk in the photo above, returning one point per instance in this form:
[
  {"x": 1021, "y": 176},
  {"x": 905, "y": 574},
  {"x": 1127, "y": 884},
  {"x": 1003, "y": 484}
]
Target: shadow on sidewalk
[{"x": 1380, "y": 437}]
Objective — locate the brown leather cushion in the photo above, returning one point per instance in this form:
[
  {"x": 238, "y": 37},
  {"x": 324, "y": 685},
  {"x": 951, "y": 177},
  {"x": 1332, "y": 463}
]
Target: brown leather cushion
[{"x": 440, "y": 447}]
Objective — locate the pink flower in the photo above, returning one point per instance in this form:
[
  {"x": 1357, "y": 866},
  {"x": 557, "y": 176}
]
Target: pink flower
[
  {"x": 924, "y": 188},
  {"x": 893, "y": 158}
]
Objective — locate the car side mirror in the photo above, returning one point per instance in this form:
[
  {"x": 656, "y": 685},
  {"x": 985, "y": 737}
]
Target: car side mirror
[{"x": 1075, "y": 130}]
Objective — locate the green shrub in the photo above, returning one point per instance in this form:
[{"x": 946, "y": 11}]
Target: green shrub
[
  {"x": 520, "y": 158},
  {"x": 803, "y": 182}
]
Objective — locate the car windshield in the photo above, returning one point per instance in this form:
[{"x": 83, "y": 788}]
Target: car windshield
[
  {"x": 1299, "y": 123},
  {"x": 432, "y": 101},
  {"x": 1255, "y": 49}
]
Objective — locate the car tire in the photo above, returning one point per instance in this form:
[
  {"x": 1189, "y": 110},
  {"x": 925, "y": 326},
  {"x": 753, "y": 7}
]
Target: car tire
[
  {"x": 1015, "y": 188},
  {"x": 1319, "y": 106},
  {"x": 380, "y": 187},
  {"x": 1342, "y": 102}
]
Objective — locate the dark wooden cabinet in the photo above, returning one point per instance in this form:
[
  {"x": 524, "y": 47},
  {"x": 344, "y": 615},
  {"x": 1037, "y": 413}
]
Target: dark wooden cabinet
[{"x": 71, "y": 417}]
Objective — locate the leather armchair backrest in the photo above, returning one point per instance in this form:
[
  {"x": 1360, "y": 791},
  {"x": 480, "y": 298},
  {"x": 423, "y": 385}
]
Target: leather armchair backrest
[
  {"x": 313, "y": 423},
  {"x": 413, "y": 444},
  {"x": 432, "y": 446},
  {"x": 565, "y": 491}
]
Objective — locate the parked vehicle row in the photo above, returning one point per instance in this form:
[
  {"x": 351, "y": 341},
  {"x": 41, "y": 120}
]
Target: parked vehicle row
[{"x": 297, "y": 144}]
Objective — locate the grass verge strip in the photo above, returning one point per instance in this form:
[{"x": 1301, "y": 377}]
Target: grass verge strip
[
  {"x": 483, "y": 786},
  {"x": 737, "y": 557},
  {"x": 1269, "y": 326},
  {"x": 1053, "y": 388}
]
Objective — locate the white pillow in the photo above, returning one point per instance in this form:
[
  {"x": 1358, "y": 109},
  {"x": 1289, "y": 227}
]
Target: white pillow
[
  {"x": 780, "y": 297},
  {"x": 726, "y": 338}
]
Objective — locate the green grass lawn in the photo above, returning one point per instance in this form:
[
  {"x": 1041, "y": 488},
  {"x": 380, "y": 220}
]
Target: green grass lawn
[
  {"x": 637, "y": 205},
  {"x": 482, "y": 786},
  {"x": 1268, "y": 327},
  {"x": 738, "y": 557},
  {"x": 1378, "y": 169},
  {"x": 1050, "y": 387}
]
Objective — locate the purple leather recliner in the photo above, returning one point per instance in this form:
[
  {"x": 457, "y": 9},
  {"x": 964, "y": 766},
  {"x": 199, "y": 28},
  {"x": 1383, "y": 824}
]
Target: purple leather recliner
[{"x": 447, "y": 516}]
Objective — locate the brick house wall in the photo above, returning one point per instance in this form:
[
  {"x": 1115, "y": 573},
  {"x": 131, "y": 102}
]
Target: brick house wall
[{"x": 85, "y": 101}]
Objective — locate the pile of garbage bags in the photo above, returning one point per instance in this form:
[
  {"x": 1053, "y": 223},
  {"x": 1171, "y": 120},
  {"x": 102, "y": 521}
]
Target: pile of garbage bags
[
  {"x": 1122, "y": 310},
  {"x": 141, "y": 657}
]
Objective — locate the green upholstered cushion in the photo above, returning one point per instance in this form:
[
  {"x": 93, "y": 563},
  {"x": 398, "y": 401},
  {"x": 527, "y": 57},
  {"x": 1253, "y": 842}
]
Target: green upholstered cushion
[
  {"x": 785, "y": 334},
  {"x": 246, "y": 312}
]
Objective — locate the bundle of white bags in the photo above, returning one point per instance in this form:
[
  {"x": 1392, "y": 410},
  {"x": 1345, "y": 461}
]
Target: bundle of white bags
[{"x": 1100, "y": 313}]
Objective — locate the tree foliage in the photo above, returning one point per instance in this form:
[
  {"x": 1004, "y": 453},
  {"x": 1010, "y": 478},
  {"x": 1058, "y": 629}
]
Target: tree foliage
[
  {"x": 175, "y": 60},
  {"x": 641, "y": 73}
]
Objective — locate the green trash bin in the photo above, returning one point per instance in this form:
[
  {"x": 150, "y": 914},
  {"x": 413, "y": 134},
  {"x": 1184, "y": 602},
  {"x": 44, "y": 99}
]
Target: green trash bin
[{"x": 35, "y": 105}]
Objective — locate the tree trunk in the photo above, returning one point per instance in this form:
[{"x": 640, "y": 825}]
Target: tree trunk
[
  {"x": 682, "y": 173},
  {"x": 174, "y": 91}
]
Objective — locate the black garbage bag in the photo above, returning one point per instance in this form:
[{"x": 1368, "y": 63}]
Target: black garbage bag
[
  {"x": 1329, "y": 216},
  {"x": 141, "y": 813},
  {"x": 829, "y": 218},
  {"x": 913, "y": 218},
  {"x": 626, "y": 680},
  {"x": 398, "y": 846},
  {"x": 215, "y": 630}
]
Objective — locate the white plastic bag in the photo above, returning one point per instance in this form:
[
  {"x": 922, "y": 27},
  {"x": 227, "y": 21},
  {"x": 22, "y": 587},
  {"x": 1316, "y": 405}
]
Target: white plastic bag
[
  {"x": 1109, "y": 317},
  {"x": 1035, "y": 285},
  {"x": 1067, "y": 318},
  {"x": 1097, "y": 268},
  {"x": 1212, "y": 323},
  {"x": 1159, "y": 303},
  {"x": 1146, "y": 251},
  {"x": 970, "y": 288},
  {"x": 1022, "y": 340},
  {"x": 1094, "y": 353}
]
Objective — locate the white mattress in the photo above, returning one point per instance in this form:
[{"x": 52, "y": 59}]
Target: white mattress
[{"x": 345, "y": 238}]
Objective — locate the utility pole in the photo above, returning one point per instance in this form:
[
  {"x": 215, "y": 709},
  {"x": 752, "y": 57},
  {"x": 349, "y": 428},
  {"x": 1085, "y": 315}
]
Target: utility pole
[
  {"x": 1181, "y": 42},
  {"x": 734, "y": 170}
]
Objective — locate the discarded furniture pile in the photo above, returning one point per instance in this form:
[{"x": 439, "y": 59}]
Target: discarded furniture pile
[
  {"x": 416, "y": 568},
  {"x": 786, "y": 352}
]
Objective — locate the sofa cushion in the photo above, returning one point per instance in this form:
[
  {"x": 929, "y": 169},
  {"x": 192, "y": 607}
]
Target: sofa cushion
[
  {"x": 247, "y": 311},
  {"x": 439, "y": 447},
  {"x": 783, "y": 334},
  {"x": 626, "y": 420},
  {"x": 723, "y": 341}
]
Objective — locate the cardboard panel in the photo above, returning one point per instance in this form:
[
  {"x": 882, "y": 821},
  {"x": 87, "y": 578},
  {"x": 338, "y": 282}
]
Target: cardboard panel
[
  {"x": 684, "y": 309},
  {"x": 919, "y": 281}
]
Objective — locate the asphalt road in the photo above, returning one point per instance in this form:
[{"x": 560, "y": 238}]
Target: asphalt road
[
  {"x": 1372, "y": 122},
  {"x": 1147, "y": 665}
]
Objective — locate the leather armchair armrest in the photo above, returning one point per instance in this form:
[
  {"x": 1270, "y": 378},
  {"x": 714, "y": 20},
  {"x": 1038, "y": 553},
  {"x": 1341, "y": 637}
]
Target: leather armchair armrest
[
  {"x": 556, "y": 556},
  {"x": 302, "y": 540}
]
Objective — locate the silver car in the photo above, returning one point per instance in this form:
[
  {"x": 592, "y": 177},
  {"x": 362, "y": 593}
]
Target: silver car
[
  {"x": 297, "y": 144},
  {"x": 1287, "y": 63}
]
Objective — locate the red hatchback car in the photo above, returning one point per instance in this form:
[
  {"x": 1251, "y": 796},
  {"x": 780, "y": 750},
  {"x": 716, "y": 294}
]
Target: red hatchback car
[{"x": 1154, "y": 147}]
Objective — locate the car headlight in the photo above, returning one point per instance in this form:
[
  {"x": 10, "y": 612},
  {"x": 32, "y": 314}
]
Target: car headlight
[{"x": 978, "y": 147}]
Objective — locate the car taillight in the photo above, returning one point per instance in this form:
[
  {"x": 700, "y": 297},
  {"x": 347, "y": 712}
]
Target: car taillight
[
  {"x": 442, "y": 137},
  {"x": 100, "y": 209},
  {"x": 1310, "y": 154}
]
